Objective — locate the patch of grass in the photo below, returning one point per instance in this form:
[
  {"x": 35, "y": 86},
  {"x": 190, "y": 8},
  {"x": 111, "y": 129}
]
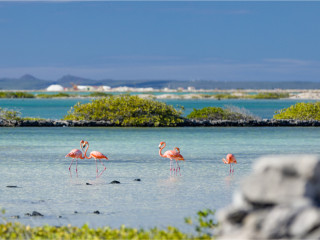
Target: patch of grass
[
  {"x": 300, "y": 111},
  {"x": 125, "y": 110}
]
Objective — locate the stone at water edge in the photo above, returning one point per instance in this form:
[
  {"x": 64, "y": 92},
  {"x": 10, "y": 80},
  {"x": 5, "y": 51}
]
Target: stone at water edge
[
  {"x": 280, "y": 199},
  {"x": 283, "y": 179},
  {"x": 305, "y": 222},
  {"x": 96, "y": 212},
  {"x": 34, "y": 214},
  {"x": 137, "y": 180},
  {"x": 115, "y": 182}
]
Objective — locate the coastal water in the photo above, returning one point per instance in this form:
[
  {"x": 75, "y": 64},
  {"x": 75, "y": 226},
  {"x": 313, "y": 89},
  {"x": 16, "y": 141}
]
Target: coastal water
[{"x": 33, "y": 160}]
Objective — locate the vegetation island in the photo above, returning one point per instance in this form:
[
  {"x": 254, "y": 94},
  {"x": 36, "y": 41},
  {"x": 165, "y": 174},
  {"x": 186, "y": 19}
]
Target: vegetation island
[{"x": 135, "y": 111}]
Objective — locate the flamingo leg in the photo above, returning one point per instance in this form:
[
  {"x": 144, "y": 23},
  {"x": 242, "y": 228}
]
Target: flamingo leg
[
  {"x": 178, "y": 168},
  {"x": 96, "y": 167},
  {"x": 173, "y": 169},
  {"x": 170, "y": 167},
  {"x": 70, "y": 167},
  {"x": 77, "y": 166},
  {"x": 103, "y": 166},
  {"x": 230, "y": 167}
]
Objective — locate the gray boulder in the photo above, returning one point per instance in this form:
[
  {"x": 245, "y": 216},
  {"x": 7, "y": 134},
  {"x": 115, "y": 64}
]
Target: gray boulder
[{"x": 279, "y": 200}]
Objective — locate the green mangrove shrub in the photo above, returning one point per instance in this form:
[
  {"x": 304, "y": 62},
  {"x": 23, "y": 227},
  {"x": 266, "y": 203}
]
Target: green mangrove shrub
[
  {"x": 57, "y": 95},
  {"x": 205, "y": 223},
  {"x": 125, "y": 110},
  {"x": 218, "y": 113},
  {"x": 99, "y": 94},
  {"x": 225, "y": 96},
  {"x": 16, "y": 95},
  {"x": 9, "y": 114},
  {"x": 300, "y": 111},
  {"x": 269, "y": 95}
]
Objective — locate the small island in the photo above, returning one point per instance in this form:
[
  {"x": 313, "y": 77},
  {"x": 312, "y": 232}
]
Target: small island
[{"x": 134, "y": 111}]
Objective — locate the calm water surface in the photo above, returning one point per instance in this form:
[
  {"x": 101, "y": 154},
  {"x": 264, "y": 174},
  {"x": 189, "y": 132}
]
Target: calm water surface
[{"x": 33, "y": 159}]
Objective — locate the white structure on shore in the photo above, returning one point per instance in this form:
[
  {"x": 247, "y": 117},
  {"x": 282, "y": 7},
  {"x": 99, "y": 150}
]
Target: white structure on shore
[
  {"x": 106, "y": 88},
  {"x": 55, "y": 88},
  {"x": 86, "y": 88},
  {"x": 131, "y": 89}
]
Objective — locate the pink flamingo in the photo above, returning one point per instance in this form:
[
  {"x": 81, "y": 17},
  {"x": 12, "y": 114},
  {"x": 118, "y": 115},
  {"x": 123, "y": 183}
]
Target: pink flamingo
[
  {"x": 230, "y": 159},
  {"x": 75, "y": 154},
  {"x": 96, "y": 155},
  {"x": 171, "y": 154}
]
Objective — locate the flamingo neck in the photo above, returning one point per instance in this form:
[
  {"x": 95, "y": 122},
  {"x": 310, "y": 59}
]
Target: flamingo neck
[
  {"x": 85, "y": 153},
  {"x": 81, "y": 147},
  {"x": 160, "y": 150}
]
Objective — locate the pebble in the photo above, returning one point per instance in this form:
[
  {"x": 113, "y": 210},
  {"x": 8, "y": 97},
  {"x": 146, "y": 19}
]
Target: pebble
[{"x": 115, "y": 182}]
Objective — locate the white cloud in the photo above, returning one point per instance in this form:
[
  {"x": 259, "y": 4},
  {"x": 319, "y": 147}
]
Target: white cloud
[{"x": 288, "y": 61}]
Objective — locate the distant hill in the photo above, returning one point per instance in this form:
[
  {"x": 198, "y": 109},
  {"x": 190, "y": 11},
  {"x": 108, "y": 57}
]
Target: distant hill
[
  {"x": 26, "y": 82},
  {"x": 29, "y": 82}
]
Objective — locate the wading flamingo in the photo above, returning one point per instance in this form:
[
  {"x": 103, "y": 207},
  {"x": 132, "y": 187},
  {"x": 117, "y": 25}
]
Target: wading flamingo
[
  {"x": 76, "y": 154},
  {"x": 230, "y": 159},
  {"x": 96, "y": 155},
  {"x": 171, "y": 154}
]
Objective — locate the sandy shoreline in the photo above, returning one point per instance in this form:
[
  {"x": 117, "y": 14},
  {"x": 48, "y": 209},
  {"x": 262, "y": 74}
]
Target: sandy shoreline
[{"x": 303, "y": 94}]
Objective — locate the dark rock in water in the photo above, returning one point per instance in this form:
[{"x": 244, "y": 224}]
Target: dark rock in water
[
  {"x": 12, "y": 186},
  {"x": 60, "y": 217},
  {"x": 96, "y": 212},
  {"x": 36, "y": 214},
  {"x": 40, "y": 201},
  {"x": 16, "y": 216},
  {"x": 75, "y": 212},
  {"x": 88, "y": 183},
  {"x": 115, "y": 182},
  {"x": 27, "y": 214},
  {"x": 137, "y": 179}
]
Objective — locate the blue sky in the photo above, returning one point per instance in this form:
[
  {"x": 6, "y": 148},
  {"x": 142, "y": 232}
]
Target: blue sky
[{"x": 222, "y": 41}]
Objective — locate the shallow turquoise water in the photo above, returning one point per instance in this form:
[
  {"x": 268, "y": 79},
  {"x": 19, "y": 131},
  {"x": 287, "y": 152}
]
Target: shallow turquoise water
[{"x": 33, "y": 159}]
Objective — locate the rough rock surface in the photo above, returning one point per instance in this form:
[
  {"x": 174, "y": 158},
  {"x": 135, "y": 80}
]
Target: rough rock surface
[
  {"x": 280, "y": 200},
  {"x": 185, "y": 123}
]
